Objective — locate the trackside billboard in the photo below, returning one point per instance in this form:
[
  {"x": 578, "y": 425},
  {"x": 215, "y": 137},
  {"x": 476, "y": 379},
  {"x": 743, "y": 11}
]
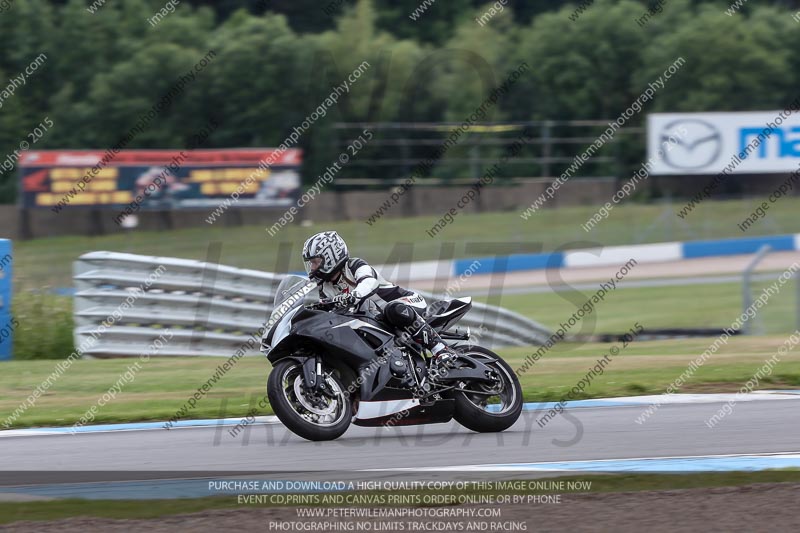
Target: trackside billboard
[
  {"x": 733, "y": 143},
  {"x": 172, "y": 179}
]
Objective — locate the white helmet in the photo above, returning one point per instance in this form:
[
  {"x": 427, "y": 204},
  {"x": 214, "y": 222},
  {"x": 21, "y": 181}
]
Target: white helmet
[{"x": 324, "y": 254}]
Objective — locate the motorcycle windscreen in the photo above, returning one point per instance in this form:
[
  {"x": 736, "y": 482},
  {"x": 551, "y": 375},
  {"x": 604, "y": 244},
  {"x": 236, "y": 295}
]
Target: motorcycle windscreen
[{"x": 291, "y": 294}]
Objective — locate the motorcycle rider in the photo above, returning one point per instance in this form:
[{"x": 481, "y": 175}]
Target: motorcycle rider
[{"x": 347, "y": 280}]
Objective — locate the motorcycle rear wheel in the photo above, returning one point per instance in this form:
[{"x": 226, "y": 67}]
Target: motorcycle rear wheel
[{"x": 474, "y": 412}]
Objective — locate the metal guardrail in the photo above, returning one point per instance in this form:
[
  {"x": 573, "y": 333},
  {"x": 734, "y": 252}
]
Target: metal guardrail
[{"x": 210, "y": 309}]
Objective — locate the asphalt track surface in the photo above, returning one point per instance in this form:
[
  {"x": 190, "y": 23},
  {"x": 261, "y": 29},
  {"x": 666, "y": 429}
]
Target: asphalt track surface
[{"x": 588, "y": 433}]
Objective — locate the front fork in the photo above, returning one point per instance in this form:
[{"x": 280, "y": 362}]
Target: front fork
[
  {"x": 312, "y": 373},
  {"x": 314, "y": 377}
]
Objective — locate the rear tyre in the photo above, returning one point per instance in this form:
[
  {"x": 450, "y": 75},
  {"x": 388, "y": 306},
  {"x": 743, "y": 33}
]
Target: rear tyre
[
  {"x": 308, "y": 414},
  {"x": 490, "y": 408}
]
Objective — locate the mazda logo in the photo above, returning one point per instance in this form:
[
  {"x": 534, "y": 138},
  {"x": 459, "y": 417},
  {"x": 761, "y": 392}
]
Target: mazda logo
[{"x": 695, "y": 143}]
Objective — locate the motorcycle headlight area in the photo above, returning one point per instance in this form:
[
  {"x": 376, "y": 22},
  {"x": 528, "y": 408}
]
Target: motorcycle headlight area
[{"x": 281, "y": 329}]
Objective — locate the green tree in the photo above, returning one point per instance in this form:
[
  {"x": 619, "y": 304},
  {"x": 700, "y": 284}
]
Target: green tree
[
  {"x": 255, "y": 82},
  {"x": 732, "y": 63},
  {"x": 581, "y": 69}
]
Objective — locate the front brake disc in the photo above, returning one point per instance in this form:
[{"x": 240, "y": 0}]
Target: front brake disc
[{"x": 299, "y": 392}]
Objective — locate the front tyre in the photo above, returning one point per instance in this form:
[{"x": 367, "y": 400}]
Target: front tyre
[
  {"x": 309, "y": 414},
  {"x": 489, "y": 408}
]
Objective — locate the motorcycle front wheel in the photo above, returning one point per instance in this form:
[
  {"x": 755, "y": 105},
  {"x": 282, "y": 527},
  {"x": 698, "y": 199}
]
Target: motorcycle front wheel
[{"x": 310, "y": 414}]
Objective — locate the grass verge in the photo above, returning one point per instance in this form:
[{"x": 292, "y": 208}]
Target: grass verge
[
  {"x": 162, "y": 385},
  {"x": 709, "y": 305}
]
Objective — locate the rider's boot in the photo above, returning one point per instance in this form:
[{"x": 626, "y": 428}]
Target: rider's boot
[{"x": 443, "y": 355}]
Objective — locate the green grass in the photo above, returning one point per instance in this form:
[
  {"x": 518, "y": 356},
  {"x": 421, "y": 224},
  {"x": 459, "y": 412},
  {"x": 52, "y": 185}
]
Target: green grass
[
  {"x": 119, "y": 509},
  {"x": 680, "y": 306},
  {"x": 163, "y": 385},
  {"x": 45, "y": 325},
  {"x": 602, "y": 483},
  {"x": 160, "y": 388},
  {"x": 650, "y": 367},
  {"x": 48, "y": 261}
]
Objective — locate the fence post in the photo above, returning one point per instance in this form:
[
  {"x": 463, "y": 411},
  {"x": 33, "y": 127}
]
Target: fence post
[
  {"x": 747, "y": 298},
  {"x": 547, "y": 148}
]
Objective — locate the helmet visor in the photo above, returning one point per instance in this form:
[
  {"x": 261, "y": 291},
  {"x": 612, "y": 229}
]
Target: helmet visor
[{"x": 313, "y": 264}]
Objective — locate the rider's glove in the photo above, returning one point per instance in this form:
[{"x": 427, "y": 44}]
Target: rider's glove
[{"x": 343, "y": 300}]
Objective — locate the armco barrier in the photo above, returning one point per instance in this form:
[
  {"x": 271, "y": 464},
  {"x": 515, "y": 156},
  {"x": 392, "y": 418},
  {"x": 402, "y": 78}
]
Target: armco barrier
[
  {"x": 210, "y": 309},
  {"x": 6, "y": 325}
]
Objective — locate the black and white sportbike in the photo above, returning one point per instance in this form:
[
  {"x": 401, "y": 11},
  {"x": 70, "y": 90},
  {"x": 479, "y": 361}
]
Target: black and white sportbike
[{"x": 335, "y": 365}]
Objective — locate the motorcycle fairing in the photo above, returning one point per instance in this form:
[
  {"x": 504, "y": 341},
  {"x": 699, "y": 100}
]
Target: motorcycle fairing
[
  {"x": 352, "y": 345},
  {"x": 350, "y": 340},
  {"x": 436, "y": 413},
  {"x": 442, "y": 315}
]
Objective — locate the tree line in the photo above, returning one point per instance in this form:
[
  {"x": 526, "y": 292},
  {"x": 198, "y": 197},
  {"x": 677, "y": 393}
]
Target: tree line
[{"x": 276, "y": 61}]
